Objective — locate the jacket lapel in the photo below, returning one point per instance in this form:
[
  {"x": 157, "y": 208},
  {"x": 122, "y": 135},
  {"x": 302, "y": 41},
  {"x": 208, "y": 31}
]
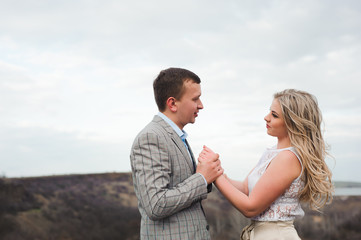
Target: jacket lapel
[{"x": 177, "y": 141}]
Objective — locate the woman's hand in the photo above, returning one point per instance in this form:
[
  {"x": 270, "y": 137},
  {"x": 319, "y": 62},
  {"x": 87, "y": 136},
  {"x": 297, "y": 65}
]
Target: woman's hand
[
  {"x": 207, "y": 155},
  {"x": 209, "y": 165}
]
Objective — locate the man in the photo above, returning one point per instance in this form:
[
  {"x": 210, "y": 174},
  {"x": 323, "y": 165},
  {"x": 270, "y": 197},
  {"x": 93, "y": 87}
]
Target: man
[{"x": 168, "y": 184}]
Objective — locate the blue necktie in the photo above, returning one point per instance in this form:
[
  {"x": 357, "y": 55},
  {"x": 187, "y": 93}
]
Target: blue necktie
[{"x": 189, "y": 152}]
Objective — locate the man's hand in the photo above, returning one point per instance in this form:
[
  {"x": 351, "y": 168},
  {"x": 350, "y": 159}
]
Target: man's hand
[{"x": 209, "y": 165}]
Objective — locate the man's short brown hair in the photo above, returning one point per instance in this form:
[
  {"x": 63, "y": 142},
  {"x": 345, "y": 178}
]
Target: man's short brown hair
[{"x": 170, "y": 83}]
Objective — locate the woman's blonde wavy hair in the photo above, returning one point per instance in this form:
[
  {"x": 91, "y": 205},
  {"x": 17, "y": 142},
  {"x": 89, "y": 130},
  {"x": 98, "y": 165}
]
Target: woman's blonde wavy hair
[{"x": 303, "y": 119}]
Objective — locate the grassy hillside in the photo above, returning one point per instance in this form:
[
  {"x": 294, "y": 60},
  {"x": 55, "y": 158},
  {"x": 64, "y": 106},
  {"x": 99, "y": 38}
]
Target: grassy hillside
[
  {"x": 101, "y": 206},
  {"x": 104, "y": 206}
]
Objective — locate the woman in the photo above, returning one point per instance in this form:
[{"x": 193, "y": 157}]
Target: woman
[{"x": 292, "y": 171}]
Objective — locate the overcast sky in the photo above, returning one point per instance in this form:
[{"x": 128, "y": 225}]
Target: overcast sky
[{"x": 76, "y": 77}]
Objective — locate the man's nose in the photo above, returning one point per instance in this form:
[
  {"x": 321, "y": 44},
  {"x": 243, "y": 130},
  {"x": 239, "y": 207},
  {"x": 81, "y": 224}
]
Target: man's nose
[{"x": 200, "y": 105}]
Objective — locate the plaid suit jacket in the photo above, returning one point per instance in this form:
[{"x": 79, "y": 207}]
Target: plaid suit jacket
[{"x": 169, "y": 191}]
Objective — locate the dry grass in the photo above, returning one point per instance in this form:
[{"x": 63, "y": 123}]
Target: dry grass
[{"x": 104, "y": 206}]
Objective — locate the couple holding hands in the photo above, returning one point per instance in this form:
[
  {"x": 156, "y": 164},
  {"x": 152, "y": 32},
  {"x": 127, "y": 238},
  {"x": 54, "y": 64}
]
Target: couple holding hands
[{"x": 170, "y": 185}]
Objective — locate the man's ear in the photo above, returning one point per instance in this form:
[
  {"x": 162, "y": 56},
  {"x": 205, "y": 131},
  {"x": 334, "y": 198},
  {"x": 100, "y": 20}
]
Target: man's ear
[{"x": 171, "y": 104}]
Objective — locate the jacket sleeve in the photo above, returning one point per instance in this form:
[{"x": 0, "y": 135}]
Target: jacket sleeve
[{"x": 153, "y": 176}]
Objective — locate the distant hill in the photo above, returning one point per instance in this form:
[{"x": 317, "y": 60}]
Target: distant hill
[
  {"x": 104, "y": 206},
  {"x": 342, "y": 184}
]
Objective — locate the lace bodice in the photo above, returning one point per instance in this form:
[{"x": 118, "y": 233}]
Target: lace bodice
[{"x": 287, "y": 206}]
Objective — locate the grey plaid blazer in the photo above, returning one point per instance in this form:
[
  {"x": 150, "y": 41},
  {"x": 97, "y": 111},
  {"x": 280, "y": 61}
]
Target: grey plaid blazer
[{"x": 169, "y": 191}]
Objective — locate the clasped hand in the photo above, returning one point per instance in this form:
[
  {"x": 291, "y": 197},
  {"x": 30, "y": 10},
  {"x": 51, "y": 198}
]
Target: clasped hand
[{"x": 209, "y": 165}]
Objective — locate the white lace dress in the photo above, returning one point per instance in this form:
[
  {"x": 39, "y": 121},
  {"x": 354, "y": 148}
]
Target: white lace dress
[{"x": 287, "y": 206}]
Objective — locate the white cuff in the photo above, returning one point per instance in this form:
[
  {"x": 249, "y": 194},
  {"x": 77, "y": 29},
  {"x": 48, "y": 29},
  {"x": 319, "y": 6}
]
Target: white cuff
[{"x": 204, "y": 179}]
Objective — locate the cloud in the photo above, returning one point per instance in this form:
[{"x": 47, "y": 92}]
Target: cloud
[
  {"x": 80, "y": 75},
  {"x": 41, "y": 151}
]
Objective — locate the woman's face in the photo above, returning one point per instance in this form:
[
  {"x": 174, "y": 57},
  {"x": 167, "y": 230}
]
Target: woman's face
[{"x": 275, "y": 124}]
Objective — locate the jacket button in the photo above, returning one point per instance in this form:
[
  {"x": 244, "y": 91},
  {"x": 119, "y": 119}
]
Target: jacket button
[{"x": 207, "y": 227}]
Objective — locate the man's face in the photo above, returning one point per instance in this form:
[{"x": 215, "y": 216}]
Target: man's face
[{"x": 189, "y": 104}]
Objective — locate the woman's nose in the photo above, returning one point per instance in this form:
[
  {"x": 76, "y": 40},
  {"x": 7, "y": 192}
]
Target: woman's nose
[{"x": 266, "y": 118}]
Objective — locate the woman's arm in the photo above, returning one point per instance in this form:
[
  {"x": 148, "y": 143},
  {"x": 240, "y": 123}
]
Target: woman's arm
[
  {"x": 279, "y": 175},
  {"x": 208, "y": 153},
  {"x": 241, "y": 186}
]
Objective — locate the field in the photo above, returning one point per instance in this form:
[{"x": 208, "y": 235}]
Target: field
[{"x": 104, "y": 206}]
